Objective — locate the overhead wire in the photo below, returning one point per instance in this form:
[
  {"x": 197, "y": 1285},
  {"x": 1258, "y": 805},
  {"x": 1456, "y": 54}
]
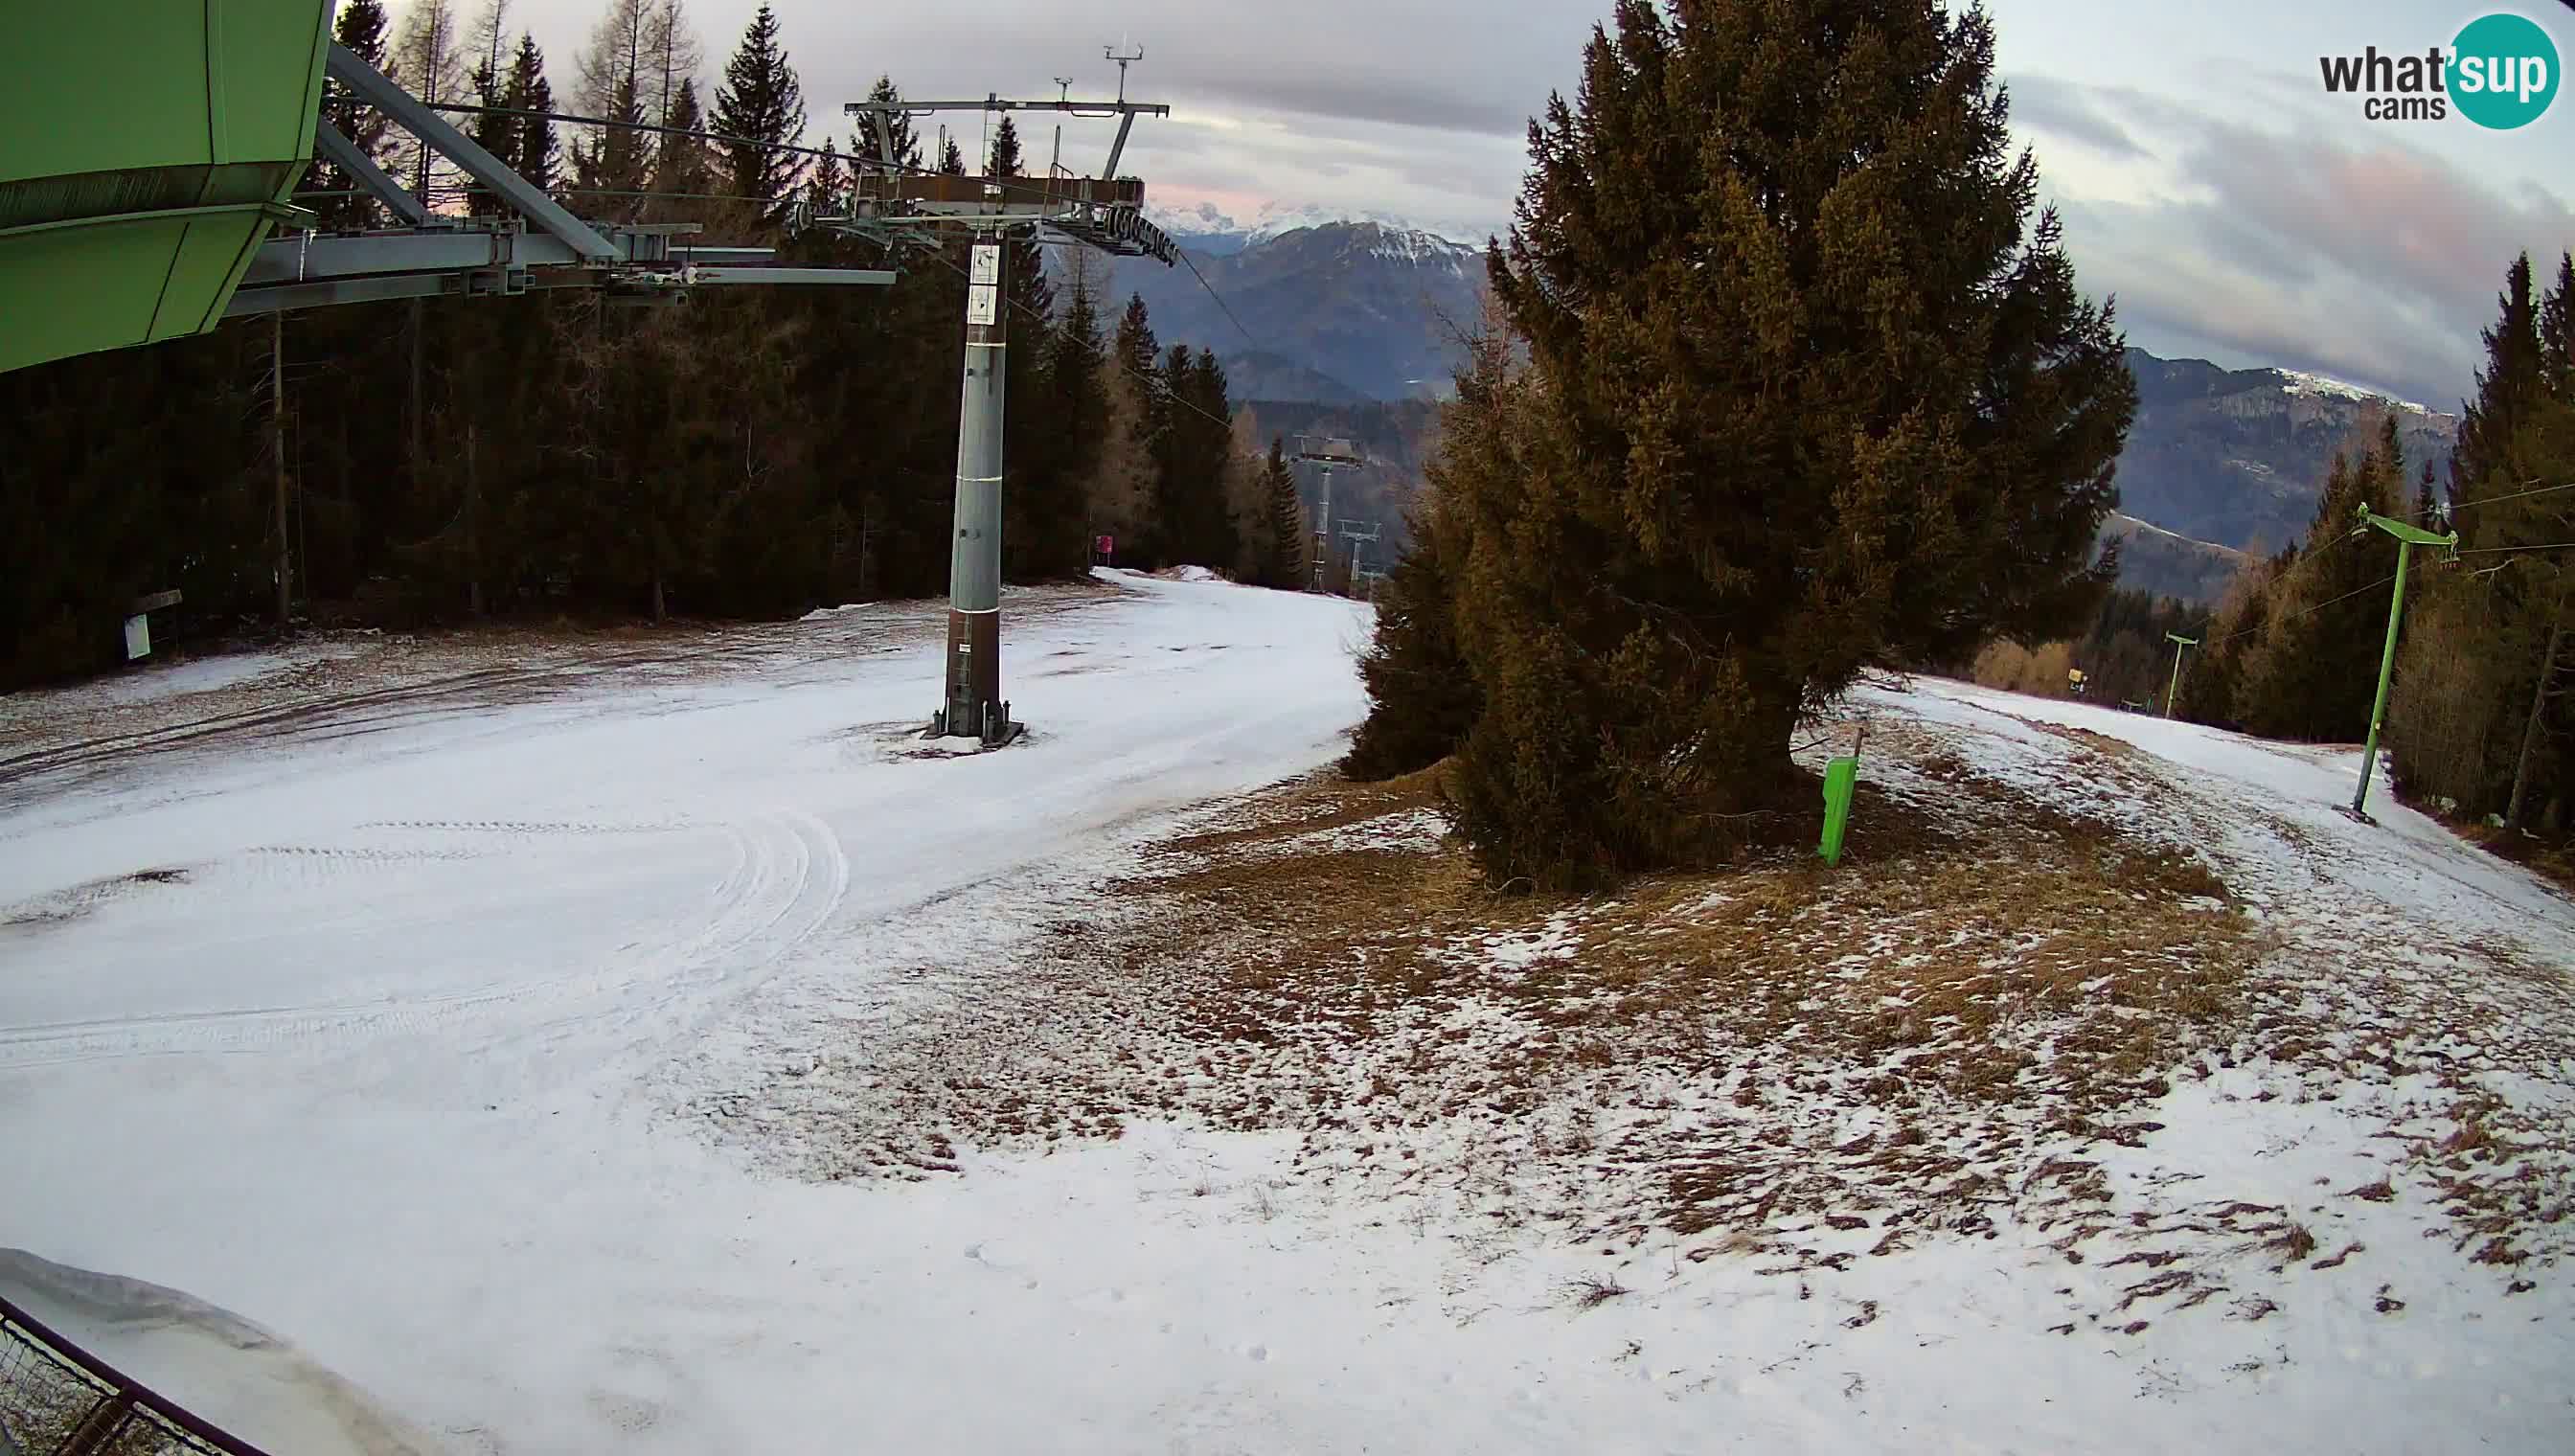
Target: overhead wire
[{"x": 2304, "y": 610}]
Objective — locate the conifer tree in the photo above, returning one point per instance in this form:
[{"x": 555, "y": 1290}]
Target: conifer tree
[
  {"x": 2557, "y": 331},
  {"x": 2313, "y": 670},
  {"x": 760, "y": 101},
  {"x": 360, "y": 27},
  {"x": 1280, "y": 561},
  {"x": 683, "y": 173},
  {"x": 1904, "y": 443},
  {"x": 2513, "y": 375},
  {"x": 492, "y": 131},
  {"x": 829, "y": 179},
  {"x": 532, "y": 153},
  {"x": 952, "y": 160},
  {"x": 1076, "y": 410}
]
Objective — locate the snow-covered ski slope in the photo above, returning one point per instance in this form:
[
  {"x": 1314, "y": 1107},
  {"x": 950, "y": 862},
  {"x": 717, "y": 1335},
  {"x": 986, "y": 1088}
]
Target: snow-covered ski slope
[{"x": 399, "y": 1029}]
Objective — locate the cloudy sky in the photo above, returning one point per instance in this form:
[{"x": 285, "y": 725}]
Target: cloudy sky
[{"x": 2235, "y": 210}]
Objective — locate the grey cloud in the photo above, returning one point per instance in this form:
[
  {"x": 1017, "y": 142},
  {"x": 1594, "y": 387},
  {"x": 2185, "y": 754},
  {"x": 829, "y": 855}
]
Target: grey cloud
[
  {"x": 2306, "y": 240},
  {"x": 2350, "y": 252},
  {"x": 2046, "y": 104}
]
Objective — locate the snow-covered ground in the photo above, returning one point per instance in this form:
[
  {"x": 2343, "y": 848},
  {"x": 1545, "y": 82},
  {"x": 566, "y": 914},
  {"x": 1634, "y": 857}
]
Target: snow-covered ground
[{"x": 453, "y": 1036}]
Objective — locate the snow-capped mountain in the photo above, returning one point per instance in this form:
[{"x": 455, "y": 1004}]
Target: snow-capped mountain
[
  {"x": 1208, "y": 229},
  {"x": 2299, "y": 382},
  {"x": 2236, "y": 457},
  {"x": 1331, "y": 307}
]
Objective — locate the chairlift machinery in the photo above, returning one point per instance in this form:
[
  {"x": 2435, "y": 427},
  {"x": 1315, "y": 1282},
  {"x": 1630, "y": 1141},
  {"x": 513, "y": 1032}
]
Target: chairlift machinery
[{"x": 903, "y": 207}]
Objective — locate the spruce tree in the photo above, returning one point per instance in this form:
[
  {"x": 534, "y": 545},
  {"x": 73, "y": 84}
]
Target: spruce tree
[
  {"x": 828, "y": 180},
  {"x": 952, "y": 160},
  {"x": 2513, "y": 375},
  {"x": 1076, "y": 409},
  {"x": 1903, "y": 443},
  {"x": 2557, "y": 331},
  {"x": 533, "y": 153},
  {"x": 1218, "y": 536},
  {"x": 681, "y": 171},
  {"x": 762, "y": 102},
  {"x": 1283, "y": 525}
]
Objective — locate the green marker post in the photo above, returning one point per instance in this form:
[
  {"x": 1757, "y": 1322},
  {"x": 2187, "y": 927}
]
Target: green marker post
[
  {"x": 2407, "y": 538},
  {"x": 1841, "y": 779}
]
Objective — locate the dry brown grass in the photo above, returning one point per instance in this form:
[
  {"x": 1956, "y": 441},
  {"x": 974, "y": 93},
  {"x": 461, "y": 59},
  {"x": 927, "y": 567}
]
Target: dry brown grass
[{"x": 1980, "y": 988}]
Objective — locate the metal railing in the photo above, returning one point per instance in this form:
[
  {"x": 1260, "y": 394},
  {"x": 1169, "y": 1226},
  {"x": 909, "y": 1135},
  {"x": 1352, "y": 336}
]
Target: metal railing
[{"x": 57, "y": 1399}]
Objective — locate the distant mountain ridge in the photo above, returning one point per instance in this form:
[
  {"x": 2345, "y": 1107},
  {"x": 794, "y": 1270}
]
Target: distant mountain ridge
[
  {"x": 1345, "y": 309},
  {"x": 2237, "y": 457},
  {"x": 1337, "y": 312},
  {"x": 1209, "y": 230}
]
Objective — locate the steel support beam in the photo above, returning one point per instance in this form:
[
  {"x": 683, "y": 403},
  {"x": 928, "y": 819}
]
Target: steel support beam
[
  {"x": 1118, "y": 148},
  {"x": 347, "y": 156},
  {"x": 372, "y": 87},
  {"x": 998, "y": 103},
  {"x": 317, "y": 257},
  {"x": 794, "y": 275},
  {"x": 285, "y": 297}
]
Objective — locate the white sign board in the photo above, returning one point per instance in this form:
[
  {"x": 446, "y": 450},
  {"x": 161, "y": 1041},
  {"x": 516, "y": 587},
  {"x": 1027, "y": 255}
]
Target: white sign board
[
  {"x": 982, "y": 304},
  {"x": 987, "y": 263},
  {"x": 138, "y": 637}
]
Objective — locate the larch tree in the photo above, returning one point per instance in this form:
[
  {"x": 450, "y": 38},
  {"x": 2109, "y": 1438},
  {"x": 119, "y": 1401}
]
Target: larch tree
[
  {"x": 671, "y": 57},
  {"x": 615, "y": 163},
  {"x": 1810, "y": 387},
  {"x": 429, "y": 63}
]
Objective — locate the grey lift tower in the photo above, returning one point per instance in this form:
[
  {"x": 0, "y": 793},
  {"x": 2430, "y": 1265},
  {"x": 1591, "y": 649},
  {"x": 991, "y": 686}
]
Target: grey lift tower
[
  {"x": 1363, "y": 537},
  {"x": 1328, "y": 451},
  {"x": 896, "y": 204}
]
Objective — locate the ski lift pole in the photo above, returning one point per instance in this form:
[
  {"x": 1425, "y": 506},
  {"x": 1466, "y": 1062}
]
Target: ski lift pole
[
  {"x": 2182, "y": 645},
  {"x": 2407, "y": 538}
]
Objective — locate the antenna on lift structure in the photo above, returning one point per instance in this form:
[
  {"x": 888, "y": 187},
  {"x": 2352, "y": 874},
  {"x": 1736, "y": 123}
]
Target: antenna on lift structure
[
  {"x": 1118, "y": 54},
  {"x": 894, "y": 206},
  {"x": 1063, "y": 96}
]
